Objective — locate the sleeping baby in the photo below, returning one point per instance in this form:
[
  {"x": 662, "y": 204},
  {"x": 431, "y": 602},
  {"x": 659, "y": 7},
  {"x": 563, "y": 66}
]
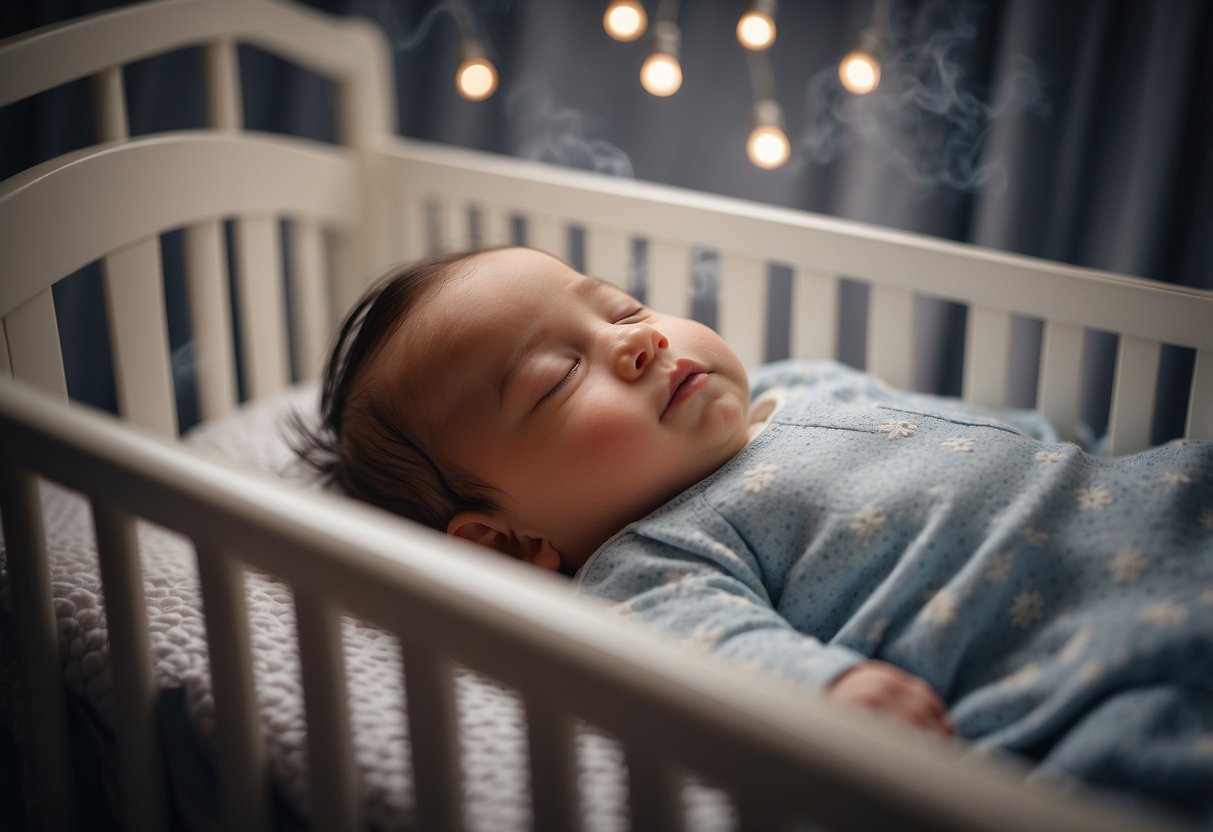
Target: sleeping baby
[{"x": 906, "y": 553}]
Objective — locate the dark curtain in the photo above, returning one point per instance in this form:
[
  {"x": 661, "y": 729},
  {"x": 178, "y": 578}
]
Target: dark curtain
[{"x": 1078, "y": 131}]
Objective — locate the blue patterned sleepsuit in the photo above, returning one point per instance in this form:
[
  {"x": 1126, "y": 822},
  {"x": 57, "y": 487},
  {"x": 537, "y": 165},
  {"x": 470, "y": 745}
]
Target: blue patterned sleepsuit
[{"x": 1060, "y": 603}]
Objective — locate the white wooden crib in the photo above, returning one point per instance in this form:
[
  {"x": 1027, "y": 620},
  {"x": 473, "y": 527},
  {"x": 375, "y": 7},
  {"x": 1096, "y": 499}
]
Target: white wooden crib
[{"x": 349, "y": 210}]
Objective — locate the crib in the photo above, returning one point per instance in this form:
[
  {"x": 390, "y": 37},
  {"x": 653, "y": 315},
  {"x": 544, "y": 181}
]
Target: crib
[{"x": 310, "y": 224}]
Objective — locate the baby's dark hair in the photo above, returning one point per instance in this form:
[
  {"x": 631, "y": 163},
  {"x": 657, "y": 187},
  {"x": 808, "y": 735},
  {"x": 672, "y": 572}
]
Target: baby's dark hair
[{"x": 365, "y": 442}]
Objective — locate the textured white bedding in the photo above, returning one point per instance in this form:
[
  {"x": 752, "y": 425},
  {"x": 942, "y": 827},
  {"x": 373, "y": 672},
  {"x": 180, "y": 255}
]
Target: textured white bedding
[{"x": 492, "y": 729}]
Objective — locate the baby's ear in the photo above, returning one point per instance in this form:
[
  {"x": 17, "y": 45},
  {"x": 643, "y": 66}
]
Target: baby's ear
[{"x": 488, "y": 530}]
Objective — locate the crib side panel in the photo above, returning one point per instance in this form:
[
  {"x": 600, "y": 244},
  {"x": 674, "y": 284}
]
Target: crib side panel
[
  {"x": 783, "y": 755},
  {"x": 898, "y": 276}
]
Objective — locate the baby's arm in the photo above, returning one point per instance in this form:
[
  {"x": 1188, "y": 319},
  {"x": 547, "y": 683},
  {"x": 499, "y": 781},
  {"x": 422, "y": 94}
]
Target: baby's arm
[{"x": 883, "y": 687}]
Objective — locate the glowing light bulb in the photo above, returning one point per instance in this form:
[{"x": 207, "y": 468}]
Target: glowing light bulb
[
  {"x": 625, "y": 20},
  {"x": 859, "y": 73},
  {"x": 476, "y": 78},
  {"x": 859, "y": 70},
  {"x": 756, "y": 29},
  {"x": 661, "y": 74},
  {"x": 768, "y": 146}
]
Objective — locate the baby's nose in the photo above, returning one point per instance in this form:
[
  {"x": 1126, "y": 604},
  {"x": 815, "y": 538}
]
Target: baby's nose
[{"x": 640, "y": 347}]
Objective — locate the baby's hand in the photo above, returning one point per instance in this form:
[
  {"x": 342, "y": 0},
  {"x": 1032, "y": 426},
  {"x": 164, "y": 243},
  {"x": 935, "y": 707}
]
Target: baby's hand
[{"x": 880, "y": 685}]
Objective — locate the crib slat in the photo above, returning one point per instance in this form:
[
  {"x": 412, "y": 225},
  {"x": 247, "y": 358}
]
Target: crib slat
[
  {"x": 433, "y": 736},
  {"x": 654, "y": 799},
  {"x": 743, "y": 307},
  {"x": 311, "y": 307},
  {"x": 1060, "y": 376},
  {"x": 986, "y": 360},
  {"x": 109, "y": 105},
  {"x": 547, "y": 234},
  {"x": 139, "y": 765},
  {"x": 134, "y": 295},
  {"x": 37, "y": 639},
  {"x": 891, "y": 335},
  {"x": 1133, "y": 395},
  {"x": 33, "y": 343},
  {"x": 222, "y": 73},
  {"x": 262, "y": 306},
  {"x": 454, "y": 225},
  {"x": 210, "y": 318},
  {"x": 243, "y": 784},
  {"x": 414, "y": 230},
  {"x": 332, "y": 780},
  {"x": 814, "y": 314},
  {"x": 669, "y": 277},
  {"x": 1200, "y": 399},
  {"x": 553, "y": 788},
  {"x": 607, "y": 255},
  {"x": 496, "y": 226}
]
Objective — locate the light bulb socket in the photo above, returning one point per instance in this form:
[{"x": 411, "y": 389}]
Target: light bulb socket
[
  {"x": 667, "y": 39},
  {"x": 766, "y": 113},
  {"x": 766, "y": 7},
  {"x": 870, "y": 42},
  {"x": 471, "y": 49}
]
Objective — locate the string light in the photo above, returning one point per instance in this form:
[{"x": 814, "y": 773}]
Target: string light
[
  {"x": 768, "y": 146},
  {"x": 756, "y": 28},
  {"x": 859, "y": 69},
  {"x": 476, "y": 78},
  {"x": 625, "y": 20},
  {"x": 661, "y": 74}
]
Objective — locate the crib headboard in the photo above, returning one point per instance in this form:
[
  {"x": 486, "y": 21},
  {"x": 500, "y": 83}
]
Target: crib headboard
[{"x": 111, "y": 201}]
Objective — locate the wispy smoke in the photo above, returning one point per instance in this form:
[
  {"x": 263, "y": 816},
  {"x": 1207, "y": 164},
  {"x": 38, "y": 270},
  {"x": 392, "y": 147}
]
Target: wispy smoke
[
  {"x": 561, "y": 135},
  {"x": 927, "y": 116},
  {"x": 405, "y": 37}
]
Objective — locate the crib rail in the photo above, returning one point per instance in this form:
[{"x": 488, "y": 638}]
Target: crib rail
[
  {"x": 788, "y": 755},
  {"x": 455, "y": 198}
]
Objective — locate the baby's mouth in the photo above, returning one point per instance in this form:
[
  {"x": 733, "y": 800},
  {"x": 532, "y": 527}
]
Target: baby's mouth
[{"x": 685, "y": 379}]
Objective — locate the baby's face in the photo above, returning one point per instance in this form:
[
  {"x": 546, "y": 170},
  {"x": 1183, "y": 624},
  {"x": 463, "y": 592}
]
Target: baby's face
[{"x": 583, "y": 408}]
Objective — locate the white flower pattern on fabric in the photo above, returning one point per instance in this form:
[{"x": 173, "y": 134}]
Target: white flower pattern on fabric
[
  {"x": 941, "y": 609},
  {"x": 998, "y": 567},
  {"x": 958, "y": 445},
  {"x": 1176, "y": 478},
  {"x": 898, "y": 428},
  {"x": 1027, "y": 609},
  {"x": 1035, "y": 537},
  {"x": 867, "y": 523},
  {"x": 759, "y": 478},
  {"x": 1049, "y": 457},
  {"x": 1164, "y": 615},
  {"x": 1094, "y": 498},
  {"x": 705, "y": 636},
  {"x": 1127, "y": 565},
  {"x": 1023, "y": 677}
]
